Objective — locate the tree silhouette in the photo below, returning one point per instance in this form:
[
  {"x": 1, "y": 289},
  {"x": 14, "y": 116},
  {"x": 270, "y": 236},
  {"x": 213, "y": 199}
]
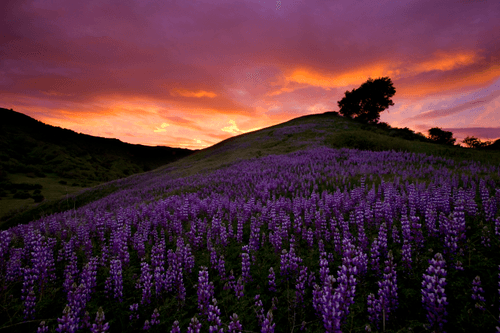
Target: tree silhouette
[
  {"x": 473, "y": 142},
  {"x": 366, "y": 102},
  {"x": 439, "y": 136}
]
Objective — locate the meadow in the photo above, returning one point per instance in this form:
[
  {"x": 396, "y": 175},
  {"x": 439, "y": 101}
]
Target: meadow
[{"x": 291, "y": 234}]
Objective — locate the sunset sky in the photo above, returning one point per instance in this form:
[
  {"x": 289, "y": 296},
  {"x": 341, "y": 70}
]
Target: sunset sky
[{"x": 192, "y": 73}]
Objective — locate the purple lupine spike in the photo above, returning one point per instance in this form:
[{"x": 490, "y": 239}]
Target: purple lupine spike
[
  {"x": 145, "y": 282},
  {"x": 67, "y": 323},
  {"x": 477, "y": 293},
  {"x": 245, "y": 267},
  {"x": 155, "y": 317},
  {"x": 375, "y": 256},
  {"x": 433, "y": 293},
  {"x": 221, "y": 267},
  {"x": 485, "y": 237},
  {"x": 324, "y": 270},
  {"x": 116, "y": 279},
  {"x": 268, "y": 325},
  {"x": 272, "y": 278},
  {"x": 214, "y": 318},
  {"x": 42, "y": 328},
  {"x": 99, "y": 326},
  {"x": 300, "y": 286},
  {"x": 205, "y": 291},
  {"x": 234, "y": 325},
  {"x": 386, "y": 300},
  {"x": 259, "y": 310},
  {"x": 194, "y": 325},
  {"x": 134, "y": 308},
  {"x": 28, "y": 292},
  {"x": 406, "y": 252},
  {"x": 175, "y": 327}
]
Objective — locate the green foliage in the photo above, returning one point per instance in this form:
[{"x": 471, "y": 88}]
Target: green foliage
[
  {"x": 38, "y": 198},
  {"x": 22, "y": 195}
]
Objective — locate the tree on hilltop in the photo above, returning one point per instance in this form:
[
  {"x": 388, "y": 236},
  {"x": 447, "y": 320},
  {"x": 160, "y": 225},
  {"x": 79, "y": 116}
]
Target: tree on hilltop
[
  {"x": 366, "y": 102},
  {"x": 473, "y": 142},
  {"x": 437, "y": 135}
]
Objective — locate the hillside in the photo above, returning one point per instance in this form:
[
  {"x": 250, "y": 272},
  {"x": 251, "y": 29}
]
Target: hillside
[
  {"x": 328, "y": 129},
  {"x": 39, "y": 161},
  {"x": 278, "y": 230}
]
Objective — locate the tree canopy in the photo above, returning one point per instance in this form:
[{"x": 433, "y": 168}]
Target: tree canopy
[
  {"x": 437, "y": 135},
  {"x": 366, "y": 102},
  {"x": 473, "y": 142}
]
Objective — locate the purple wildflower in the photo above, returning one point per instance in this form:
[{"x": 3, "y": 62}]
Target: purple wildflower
[
  {"x": 234, "y": 325},
  {"x": 433, "y": 294},
  {"x": 477, "y": 293}
]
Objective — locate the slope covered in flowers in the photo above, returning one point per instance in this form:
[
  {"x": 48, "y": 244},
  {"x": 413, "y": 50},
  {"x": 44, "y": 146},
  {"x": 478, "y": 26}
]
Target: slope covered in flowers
[{"x": 317, "y": 240}]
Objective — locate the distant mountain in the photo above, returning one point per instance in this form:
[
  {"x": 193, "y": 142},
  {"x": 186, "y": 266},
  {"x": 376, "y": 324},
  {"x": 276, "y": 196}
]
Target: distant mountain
[{"x": 32, "y": 147}]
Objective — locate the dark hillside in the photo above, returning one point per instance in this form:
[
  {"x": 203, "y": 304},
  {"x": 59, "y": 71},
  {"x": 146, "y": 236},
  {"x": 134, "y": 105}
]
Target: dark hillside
[{"x": 39, "y": 161}]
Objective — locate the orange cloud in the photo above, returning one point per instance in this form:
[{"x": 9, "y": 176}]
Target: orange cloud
[
  {"x": 445, "y": 61},
  {"x": 187, "y": 93}
]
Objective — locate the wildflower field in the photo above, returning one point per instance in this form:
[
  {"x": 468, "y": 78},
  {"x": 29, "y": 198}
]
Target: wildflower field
[{"x": 319, "y": 240}]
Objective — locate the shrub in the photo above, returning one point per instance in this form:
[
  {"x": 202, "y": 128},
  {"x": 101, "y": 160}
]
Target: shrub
[
  {"x": 22, "y": 195},
  {"x": 38, "y": 197}
]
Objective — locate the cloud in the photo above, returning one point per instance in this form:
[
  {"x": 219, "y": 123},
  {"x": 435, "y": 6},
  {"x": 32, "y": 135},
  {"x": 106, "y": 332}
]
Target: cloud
[
  {"x": 162, "y": 129},
  {"x": 233, "y": 129},
  {"x": 187, "y": 93},
  {"x": 478, "y": 102}
]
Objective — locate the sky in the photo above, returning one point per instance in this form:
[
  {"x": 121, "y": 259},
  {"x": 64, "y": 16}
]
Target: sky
[{"x": 190, "y": 74}]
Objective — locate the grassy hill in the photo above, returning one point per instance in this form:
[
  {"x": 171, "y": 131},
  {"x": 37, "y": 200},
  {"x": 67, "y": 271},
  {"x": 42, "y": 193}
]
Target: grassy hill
[
  {"x": 41, "y": 162},
  {"x": 84, "y": 161},
  {"x": 276, "y": 227}
]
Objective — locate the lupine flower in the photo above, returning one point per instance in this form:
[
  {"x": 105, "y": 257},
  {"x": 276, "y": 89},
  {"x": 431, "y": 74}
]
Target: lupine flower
[
  {"x": 395, "y": 234},
  {"x": 485, "y": 237},
  {"x": 145, "y": 282},
  {"x": 175, "y": 327},
  {"x": 245, "y": 267},
  {"x": 333, "y": 304},
  {"x": 324, "y": 270},
  {"x": 386, "y": 300},
  {"x": 194, "y": 325},
  {"x": 67, "y": 323},
  {"x": 205, "y": 291},
  {"x": 155, "y": 317},
  {"x": 301, "y": 285},
  {"x": 146, "y": 326},
  {"x": 42, "y": 328},
  {"x": 268, "y": 325},
  {"x": 259, "y": 310},
  {"x": 433, "y": 295},
  {"x": 375, "y": 256},
  {"x": 406, "y": 252},
  {"x": 99, "y": 326},
  {"x": 133, "y": 309},
  {"x": 28, "y": 293},
  {"x": 272, "y": 277},
  {"x": 115, "y": 282},
  {"x": 234, "y": 325},
  {"x": 214, "y": 317},
  {"x": 477, "y": 293}
]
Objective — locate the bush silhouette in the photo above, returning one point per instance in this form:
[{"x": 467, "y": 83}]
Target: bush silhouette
[{"x": 439, "y": 136}]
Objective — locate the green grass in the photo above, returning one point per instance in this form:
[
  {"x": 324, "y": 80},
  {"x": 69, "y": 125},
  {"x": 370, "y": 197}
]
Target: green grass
[{"x": 51, "y": 190}]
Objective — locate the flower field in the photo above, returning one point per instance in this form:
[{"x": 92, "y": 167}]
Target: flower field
[{"x": 320, "y": 240}]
